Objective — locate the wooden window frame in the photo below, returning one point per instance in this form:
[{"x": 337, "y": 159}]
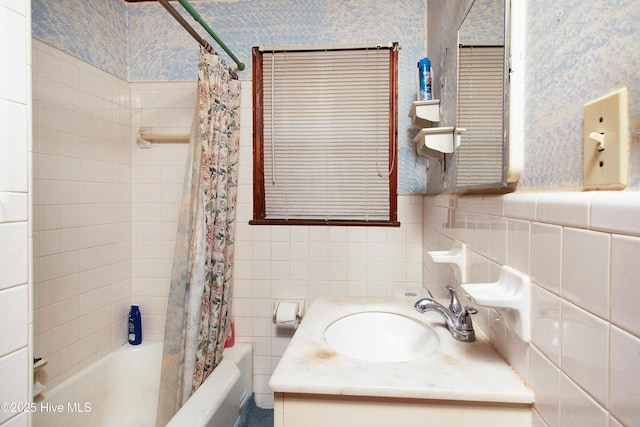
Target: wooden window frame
[{"x": 259, "y": 205}]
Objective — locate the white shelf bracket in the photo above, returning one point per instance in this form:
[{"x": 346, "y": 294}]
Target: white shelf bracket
[
  {"x": 456, "y": 255},
  {"x": 510, "y": 296}
]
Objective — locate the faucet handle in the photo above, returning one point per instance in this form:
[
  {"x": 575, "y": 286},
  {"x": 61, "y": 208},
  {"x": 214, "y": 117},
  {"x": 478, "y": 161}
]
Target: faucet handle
[
  {"x": 454, "y": 305},
  {"x": 464, "y": 318}
]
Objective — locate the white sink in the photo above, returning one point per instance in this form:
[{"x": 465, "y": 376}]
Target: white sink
[{"x": 377, "y": 336}]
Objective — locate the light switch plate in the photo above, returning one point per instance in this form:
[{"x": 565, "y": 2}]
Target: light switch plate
[{"x": 606, "y": 142}]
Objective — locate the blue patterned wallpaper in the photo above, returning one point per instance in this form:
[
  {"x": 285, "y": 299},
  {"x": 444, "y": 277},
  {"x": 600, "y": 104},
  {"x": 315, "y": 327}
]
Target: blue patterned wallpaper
[
  {"x": 160, "y": 50},
  {"x": 484, "y": 22},
  {"x": 575, "y": 52},
  {"x": 92, "y": 30}
]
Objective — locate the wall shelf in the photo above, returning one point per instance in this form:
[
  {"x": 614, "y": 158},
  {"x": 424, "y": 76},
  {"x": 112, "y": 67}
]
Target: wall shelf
[
  {"x": 456, "y": 255},
  {"x": 433, "y": 142},
  {"x": 37, "y": 385},
  {"x": 510, "y": 295},
  {"x": 423, "y": 113}
]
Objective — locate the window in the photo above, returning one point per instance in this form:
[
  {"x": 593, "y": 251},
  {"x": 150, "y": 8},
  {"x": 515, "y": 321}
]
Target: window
[{"x": 325, "y": 136}]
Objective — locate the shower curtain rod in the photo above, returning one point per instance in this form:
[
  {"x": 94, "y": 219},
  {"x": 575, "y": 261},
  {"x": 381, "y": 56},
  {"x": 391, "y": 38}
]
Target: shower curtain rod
[{"x": 194, "y": 13}]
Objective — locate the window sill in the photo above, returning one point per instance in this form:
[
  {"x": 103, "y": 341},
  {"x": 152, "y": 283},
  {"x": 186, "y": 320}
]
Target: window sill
[{"x": 334, "y": 222}]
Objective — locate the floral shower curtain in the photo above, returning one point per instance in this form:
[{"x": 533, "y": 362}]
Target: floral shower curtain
[{"x": 198, "y": 311}]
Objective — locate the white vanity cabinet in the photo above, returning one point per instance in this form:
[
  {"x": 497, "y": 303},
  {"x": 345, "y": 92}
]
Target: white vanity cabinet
[
  {"x": 459, "y": 384},
  {"x": 313, "y": 410}
]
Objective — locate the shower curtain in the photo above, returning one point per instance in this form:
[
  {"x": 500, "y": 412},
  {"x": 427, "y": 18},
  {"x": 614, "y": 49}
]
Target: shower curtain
[{"x": 198, "y": 311}]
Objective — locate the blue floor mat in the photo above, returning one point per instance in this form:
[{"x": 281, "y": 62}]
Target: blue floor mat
[{"x": 252, "y": 416}]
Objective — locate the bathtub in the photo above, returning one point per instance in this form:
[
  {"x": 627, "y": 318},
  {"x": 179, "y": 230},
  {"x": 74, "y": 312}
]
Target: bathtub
[{"x": 121, "y": 389}]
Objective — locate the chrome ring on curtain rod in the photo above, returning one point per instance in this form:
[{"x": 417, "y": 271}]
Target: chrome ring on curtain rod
[{"x": 209, "y": 49}]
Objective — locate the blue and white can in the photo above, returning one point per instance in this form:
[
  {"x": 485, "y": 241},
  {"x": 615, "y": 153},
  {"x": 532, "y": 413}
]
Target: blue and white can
[{"x": 424, "y": 76}]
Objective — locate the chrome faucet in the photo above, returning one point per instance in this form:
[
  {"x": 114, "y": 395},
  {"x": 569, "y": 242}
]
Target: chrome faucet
[
  {"x": 454, "y": 304},
  {"x": 457, "y": 318}
]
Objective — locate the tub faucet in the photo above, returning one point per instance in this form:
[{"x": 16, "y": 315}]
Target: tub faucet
[{"x": 459, "y": 324}]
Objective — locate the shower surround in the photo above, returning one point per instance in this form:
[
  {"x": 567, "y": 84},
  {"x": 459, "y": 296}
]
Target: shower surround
[{"x": 82, "y": 211}]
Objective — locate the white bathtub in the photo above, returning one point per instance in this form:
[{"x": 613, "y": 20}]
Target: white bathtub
[{"x": 121, "y": 390}]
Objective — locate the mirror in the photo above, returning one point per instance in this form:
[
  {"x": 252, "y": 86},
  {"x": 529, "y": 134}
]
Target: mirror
[{"x": 482, "y": 158}]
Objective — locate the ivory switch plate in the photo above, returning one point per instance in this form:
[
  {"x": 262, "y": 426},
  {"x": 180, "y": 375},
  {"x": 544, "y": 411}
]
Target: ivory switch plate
[{"x": 606, "y": 141}]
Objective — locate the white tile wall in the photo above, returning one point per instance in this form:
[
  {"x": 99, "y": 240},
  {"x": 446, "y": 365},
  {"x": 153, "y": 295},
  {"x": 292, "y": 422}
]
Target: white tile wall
[
  {"x": 546, "y": 256},
  {"x": 13, "y": 157},
  {"x": 581, "y": 250},
  {"x": 15, "y": 381},
  {"x": 624, "y": 398},
  {"x": 82, "y": 211},
  {"x": 157, "y": 177},
  {"x": 577, "y": 408},
  {"x": 585, "y": 350},
  {"x": 14, "y": 257},
  {"x": 546, "y": 323},
  {"x": 304, "y": 262},
  {"x": 14, "y": 313},
  {"x": 545, "y": 382},
  {"x": 585, "y": 269},
  {"x": 625, "y": 271},
  {"x": 16, "y": 322}
]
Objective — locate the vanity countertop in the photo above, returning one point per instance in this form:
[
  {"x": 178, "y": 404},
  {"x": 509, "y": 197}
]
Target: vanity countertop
[{"x": 455, "y": 371}]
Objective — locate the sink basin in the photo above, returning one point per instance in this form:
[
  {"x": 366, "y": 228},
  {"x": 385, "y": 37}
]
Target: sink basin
[{"x": 381, "y": 337}]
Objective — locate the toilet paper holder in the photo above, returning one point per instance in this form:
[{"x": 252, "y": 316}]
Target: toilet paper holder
[{"x": 299, "y": 310}]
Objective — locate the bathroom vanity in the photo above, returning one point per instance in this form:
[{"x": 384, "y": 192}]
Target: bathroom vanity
[{"x": 315, "y": 385}]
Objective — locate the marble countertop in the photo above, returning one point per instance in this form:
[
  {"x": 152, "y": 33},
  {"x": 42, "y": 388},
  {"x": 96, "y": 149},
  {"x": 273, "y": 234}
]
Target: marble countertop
[{"x": 455, "y": 371}]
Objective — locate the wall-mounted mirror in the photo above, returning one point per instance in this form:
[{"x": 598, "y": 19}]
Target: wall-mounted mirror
[{"x": 482, "y": 158}]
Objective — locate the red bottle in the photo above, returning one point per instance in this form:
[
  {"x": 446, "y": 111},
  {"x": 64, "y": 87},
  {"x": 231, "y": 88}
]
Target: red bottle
[{"x": 231, "y": 339}]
